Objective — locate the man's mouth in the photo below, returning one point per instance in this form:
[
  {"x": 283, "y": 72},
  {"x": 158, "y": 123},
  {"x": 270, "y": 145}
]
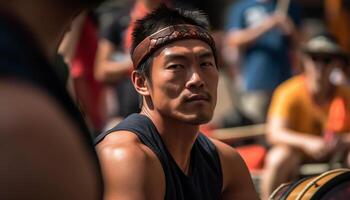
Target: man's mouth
[{"x": 198, "y": 97}]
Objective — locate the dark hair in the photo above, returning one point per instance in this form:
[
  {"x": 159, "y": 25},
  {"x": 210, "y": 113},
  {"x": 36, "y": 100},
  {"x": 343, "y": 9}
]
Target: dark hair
[
  {"x": 160, "y": 18},
  {"x": 86, "y": 4},
  {"x": 346, "y": 5}
]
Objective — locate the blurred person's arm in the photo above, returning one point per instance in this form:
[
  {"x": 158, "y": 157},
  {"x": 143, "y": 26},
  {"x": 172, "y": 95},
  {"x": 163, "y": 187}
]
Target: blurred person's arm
[
  {"x": 290, "y": 29},
  {"x": 70, "y": 40},
  {"x": 42, "y": 153},
  {"x": 278, "y": 132},
  {"x": 108, "y": 70},
  {"x": 243, "y": 37},
  {"x": 68, "y": 46}
]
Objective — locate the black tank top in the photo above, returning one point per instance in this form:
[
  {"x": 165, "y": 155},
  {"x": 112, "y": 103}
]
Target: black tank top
[
  {"x": 205, "y": 181},
  {"x": 21, "y": 60}
]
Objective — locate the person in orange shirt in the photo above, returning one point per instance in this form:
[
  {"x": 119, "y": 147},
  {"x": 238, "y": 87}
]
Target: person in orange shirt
[{"x": 309, "y": 114}]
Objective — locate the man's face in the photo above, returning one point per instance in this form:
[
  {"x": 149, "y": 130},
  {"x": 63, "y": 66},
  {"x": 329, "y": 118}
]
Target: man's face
[
  {"x": 318, "y": 69},
  {"x": 184, "y": 81}
]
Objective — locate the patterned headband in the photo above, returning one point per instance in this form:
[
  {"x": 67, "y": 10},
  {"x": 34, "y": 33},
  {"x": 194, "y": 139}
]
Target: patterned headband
[{"x": 167, "y": 35}]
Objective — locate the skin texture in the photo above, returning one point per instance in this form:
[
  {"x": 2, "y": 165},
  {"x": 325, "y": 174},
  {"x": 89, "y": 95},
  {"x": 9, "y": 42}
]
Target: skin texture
[
  {"x": 292, "y": 146},
  {"x": 182, "y": 97},
  {"x": 42, "y": 155}
]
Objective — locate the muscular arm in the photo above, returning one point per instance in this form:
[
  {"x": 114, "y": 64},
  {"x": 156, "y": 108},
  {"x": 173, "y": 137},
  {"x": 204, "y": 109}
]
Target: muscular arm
[
  {"x": 237, "y": 183},
  {"x": 107, "y": 70},
  {"x": 131, "y": 170},
  {"x": 41, "y": 153}
]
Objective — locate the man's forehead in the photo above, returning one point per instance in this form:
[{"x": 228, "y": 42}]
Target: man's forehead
[{"x": 183, "y": 47}]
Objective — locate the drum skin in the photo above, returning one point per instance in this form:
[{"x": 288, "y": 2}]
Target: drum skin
[{"x": 312, "y": 188}]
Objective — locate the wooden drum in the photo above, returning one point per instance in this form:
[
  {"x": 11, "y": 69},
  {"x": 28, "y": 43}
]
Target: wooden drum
[{"x": 331, "y": 185}]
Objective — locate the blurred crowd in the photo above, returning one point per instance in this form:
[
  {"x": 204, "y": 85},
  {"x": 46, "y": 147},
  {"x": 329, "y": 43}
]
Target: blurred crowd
[{"x": 284, "y": 63}]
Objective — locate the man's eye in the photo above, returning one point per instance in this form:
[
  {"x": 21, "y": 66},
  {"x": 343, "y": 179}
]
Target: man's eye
[
  {"x": 207, "y": 64},
  {"x": 175, "y": 66}
]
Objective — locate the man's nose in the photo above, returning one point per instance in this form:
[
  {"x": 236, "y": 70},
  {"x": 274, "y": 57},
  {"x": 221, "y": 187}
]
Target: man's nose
[{"x": 195, "y": 79}]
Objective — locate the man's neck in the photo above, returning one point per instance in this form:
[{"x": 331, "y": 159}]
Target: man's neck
[
  {"x": 323, "y": 97},
  {"x": 46, "y": 23},
  {"x": 178, "y": 137}
]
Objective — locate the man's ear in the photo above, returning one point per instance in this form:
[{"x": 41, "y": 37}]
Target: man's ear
[{"x": 140, "y": 83}]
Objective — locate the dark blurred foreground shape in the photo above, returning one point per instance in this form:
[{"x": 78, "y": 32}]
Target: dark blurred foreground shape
[{"x": 46, "y": 149}]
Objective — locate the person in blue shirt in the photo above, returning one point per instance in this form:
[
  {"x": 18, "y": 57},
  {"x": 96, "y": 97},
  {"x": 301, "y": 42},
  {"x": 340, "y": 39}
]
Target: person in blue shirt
[{"x": 264, "y": 34}]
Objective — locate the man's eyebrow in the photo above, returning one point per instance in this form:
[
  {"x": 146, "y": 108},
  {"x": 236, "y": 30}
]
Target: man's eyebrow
[
  {"x": 175, "y": 56},
  {"x": 205, "y": 54},
  {"x": 182, "y": 56}
]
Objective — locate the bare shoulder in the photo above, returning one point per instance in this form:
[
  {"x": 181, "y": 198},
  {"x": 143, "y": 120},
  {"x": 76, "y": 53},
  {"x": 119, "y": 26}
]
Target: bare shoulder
[
  {"x": 231, "y": 160},
  {"x": 237, "y": 183},
  {"x": 124, "y": 145},
  {"x": 39, "y": 141},
  {"x": 131, "y": 170},
  {"x": 225, "y": 150}
]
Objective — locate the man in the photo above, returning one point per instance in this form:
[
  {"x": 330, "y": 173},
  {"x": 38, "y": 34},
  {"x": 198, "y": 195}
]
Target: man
[
  {"x": 46, "y": 149},
  {"x": 159, "y": 153},
  {"x": 264, "y": 32},
  {"x": 309, "y": 114}
]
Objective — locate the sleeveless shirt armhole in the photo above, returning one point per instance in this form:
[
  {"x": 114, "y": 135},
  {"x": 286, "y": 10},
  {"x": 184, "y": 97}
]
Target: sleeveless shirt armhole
[
  {"x": 213, "y": 151},
  {"x": 118, "y": 127},
  {"x": 139, "y": 125},
  {"x": 101, "y": 136},
  {"x": 143, "y": 128}
]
